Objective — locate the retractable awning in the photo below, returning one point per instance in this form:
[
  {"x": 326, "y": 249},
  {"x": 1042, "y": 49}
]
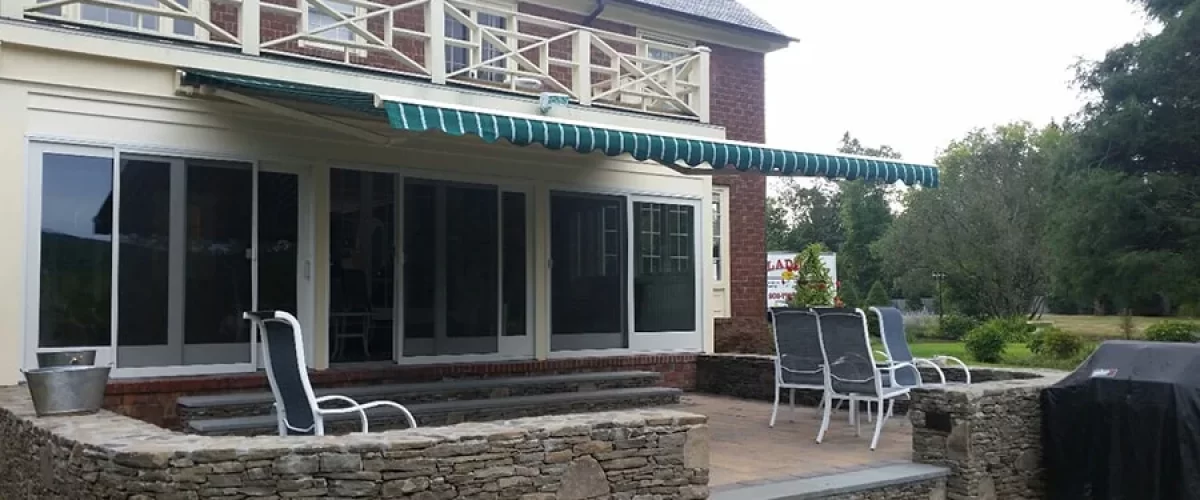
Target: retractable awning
[{"x": 688, "y": 155}]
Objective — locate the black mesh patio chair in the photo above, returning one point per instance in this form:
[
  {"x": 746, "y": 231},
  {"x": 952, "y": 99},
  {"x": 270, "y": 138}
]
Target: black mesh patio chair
[
  {"x": 297, "y": 409},
  {"x": 798, "y": 360},
  {"x": 895, "y": 345},
  {"x": 852, "y": 371}
]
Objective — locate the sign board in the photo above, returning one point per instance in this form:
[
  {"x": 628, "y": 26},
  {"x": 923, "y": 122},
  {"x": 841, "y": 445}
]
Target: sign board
[{"x": 780, "y": 291}]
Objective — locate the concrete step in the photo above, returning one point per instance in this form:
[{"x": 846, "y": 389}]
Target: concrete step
[
  {"x": 452, "y": 412},
  {"x": 245, "y": 404},
  {"x": 907, "y": 480}
]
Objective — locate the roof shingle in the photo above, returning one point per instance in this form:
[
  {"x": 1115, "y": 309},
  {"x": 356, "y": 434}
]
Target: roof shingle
[{"x": 722, "y": 11}]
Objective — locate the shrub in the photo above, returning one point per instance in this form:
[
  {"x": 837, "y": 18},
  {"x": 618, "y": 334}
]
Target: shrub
[
  {"x": 1017, "y": 329},
  {"x": 1189, "y": 310},
  {"x": 986, "y": 342},
  {"x": 1055, "y": 343},
  {"x": 1173, "y": 331},
  {"x": 956, "y": 326},
  {"x": 849, "y": 295},
  {"x": 878, "y": 296},
  {"x": 1126, "y": 324}
]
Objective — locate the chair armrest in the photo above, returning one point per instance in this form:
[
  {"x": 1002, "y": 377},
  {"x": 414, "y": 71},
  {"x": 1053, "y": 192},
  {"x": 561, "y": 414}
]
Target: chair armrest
[
  {"x": 966, "y": 370},
  {"x": 354, "y": 407},
  {"x": 936, "y": 368}
]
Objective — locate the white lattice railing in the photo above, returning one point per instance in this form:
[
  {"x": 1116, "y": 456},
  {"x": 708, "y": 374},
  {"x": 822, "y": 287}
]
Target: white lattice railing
[{"x": 461, "y": 41}]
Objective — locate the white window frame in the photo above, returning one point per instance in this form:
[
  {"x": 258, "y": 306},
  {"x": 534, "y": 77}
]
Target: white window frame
[
  {"x": 306, "y": 11},
  {"x": 73, "y": 12},
  {"x": 720, "y": 239},
  {"x": 503, "y": 9}
]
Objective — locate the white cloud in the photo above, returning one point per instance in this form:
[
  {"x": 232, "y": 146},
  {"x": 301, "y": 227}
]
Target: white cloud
[{"x": 917, "y": 74}]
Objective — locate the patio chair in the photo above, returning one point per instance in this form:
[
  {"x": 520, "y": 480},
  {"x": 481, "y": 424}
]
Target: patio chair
[
  {"x": 798, "y": 362},
  {"x": 297, "y": 409},
  {"x": 895, "y": 345},
  {"x": 852, "y": 372}
]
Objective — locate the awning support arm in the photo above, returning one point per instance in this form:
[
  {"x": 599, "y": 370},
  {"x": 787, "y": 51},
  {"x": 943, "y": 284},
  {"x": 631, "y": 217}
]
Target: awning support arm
[{"x": 318, "y": 120}]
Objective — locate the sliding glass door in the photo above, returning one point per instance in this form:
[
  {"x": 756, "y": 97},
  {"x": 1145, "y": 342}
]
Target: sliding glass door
[
  {"x": 625, "y": 273},
  {"x": 161, "y": 255},
  {"x": 466, "y": 282},
  {"x": 589, "y": 271}
]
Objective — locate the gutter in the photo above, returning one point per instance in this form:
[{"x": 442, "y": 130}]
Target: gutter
[{"x": 600, "y": 5}]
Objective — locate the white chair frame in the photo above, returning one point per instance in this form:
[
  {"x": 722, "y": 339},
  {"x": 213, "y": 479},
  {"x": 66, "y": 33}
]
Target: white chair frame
[
  {"x": 881, "y": 394},
  {"x": 318, "y": 413},
  {"x": 932, "y": 362}
]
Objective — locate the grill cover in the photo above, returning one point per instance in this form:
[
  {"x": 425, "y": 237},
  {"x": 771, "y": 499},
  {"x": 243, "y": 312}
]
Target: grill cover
[{"x": 1125, "y": 424}]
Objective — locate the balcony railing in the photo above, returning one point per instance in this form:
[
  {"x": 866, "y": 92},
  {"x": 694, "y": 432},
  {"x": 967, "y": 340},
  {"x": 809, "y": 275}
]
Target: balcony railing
[{"x": 443, "y": 41}]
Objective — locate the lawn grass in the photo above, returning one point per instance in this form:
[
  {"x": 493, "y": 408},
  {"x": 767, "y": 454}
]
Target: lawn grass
[
  {"x": 1015, "y": 355},
  {"x": 1100, "y": 327}
]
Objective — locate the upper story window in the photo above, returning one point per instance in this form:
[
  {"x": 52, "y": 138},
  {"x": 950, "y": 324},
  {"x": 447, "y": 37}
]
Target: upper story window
[
  {"x": 465, "y": 55},
  {"x": 316, "y": 18},
  {"x": 115, "y": 17}
]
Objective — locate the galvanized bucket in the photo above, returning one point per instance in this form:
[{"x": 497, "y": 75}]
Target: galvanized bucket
[
  {"x": 67, "y": 390},
  {"x": 66, "y": 358}
]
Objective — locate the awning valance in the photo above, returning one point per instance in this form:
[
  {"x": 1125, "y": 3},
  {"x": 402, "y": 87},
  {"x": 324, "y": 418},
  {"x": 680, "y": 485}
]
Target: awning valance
[{"x": 682, "y": 153}]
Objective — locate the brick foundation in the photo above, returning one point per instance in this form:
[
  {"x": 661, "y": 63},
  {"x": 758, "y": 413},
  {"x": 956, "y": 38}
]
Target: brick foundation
[{"x": 154, "y": 399}]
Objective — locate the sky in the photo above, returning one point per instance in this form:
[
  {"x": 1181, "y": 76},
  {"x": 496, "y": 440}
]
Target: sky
[{"x": 917, "y": 74}]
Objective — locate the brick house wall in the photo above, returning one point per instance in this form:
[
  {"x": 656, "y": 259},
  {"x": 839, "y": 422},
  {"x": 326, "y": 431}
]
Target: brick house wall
[{"x": 738, "y": 103}]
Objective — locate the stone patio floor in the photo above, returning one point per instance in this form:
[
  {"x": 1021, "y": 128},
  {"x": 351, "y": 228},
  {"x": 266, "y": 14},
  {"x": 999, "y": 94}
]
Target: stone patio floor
[{"x": 745, "y": 451}]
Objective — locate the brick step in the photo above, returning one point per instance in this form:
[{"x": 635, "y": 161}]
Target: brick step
[
  {"x": 453, "y": 412},
  {"x": 247, "y": 404}
]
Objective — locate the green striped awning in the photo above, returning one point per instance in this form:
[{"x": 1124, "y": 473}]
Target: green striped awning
[
  {"x": 663, "y": 148},
  {"x": 685, "y": 154}
]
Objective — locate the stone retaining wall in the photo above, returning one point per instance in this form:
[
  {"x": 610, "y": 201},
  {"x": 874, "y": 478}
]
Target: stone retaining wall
[
  {"x": 647, "y": 454},
  {"x": 987, "y": 434}
]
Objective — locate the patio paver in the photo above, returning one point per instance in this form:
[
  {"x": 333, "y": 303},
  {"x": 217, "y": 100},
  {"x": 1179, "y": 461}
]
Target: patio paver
[{"x": 744, "y": 451}]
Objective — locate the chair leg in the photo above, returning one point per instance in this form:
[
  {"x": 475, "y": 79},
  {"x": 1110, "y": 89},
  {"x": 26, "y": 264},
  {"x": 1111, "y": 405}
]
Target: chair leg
[
  {"x": 857, "y": 420},
  {"x": 775, "y": 407},
  {"x": 792, "y": 402},
  {"x": 891, "y": 408},
  {"x": 825, "y": 417},
  {"x": 878, "y": 426}
]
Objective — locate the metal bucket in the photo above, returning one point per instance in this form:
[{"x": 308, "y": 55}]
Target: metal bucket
[
  {"x": 67, "y": 390},
  {"x": 66, "y": 358}
]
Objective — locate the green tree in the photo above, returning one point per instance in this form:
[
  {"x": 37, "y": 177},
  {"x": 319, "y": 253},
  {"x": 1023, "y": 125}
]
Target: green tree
[
  {"x": 814, "y": 287},
  {"x": 912, "y": 299},
  {"x": 849, "y": 295},
  {"x": 798, "y": 215},
  {"x": 878, "y": 296},
  {"x": 865, "y": 218},
  {"x": 984, "y": 226},
  {"x": 1127, "y": 230}
]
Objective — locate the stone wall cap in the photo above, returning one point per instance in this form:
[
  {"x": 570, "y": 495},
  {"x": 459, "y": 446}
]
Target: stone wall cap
[{"x": 832, "y": 485}]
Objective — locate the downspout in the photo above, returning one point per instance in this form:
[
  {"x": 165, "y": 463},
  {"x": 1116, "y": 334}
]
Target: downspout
[{"x": 600, "y": 5}]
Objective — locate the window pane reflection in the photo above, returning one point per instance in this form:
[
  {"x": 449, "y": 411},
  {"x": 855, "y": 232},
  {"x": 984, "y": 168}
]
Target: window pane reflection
[{"x": 76, "y": 254}]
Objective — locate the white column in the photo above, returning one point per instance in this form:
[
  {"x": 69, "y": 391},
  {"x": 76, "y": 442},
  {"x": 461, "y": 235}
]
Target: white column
[
  {"x": 435, "y": 48},
  {"x": 541, "y": 270},
  {"x": 14, "y": 104},
  {"x": 703, "y": 79},
  {"x": 249, "y": 26},
  {"x": 583, "y": 68}
]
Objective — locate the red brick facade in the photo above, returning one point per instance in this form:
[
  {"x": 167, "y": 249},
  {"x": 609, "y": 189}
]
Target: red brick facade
[
  {"x": 738, "y": 103},
  {"x": 154, "y": 400}
]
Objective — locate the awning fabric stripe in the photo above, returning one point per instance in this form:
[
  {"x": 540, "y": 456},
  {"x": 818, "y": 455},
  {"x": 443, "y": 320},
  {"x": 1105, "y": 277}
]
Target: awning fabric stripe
[
  {"x": 686, "y": 153},
  {"x": 664, "y": 149}
]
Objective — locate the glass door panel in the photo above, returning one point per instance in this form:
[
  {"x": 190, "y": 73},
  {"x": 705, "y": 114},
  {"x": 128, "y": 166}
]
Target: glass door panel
[
  {"x": 278, "y": 241},
  {"x": 588, "y": 288},
  {"x": 452, "y": 269},
  {"x": 362, "y": 223},
  {"x": 664, "y": 280},
  {"x": 217, "y": 263},
  {"x": 75, "y": 275},
  {"x": 183, "y": 262}
]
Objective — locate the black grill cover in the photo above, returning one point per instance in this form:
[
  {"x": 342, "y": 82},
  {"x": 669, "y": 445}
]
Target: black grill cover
[{"x": 1125, "y": 424}]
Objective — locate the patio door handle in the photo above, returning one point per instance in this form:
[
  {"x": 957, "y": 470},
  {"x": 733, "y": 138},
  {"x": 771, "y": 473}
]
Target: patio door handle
[{"x": 307, "y": 270}]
